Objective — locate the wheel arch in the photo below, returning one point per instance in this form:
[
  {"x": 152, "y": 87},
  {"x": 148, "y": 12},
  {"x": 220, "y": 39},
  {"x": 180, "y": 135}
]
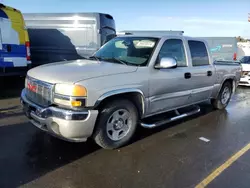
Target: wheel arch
[
  {"x": 232, "y": 80},
  {"x": 134, "y": 95}
]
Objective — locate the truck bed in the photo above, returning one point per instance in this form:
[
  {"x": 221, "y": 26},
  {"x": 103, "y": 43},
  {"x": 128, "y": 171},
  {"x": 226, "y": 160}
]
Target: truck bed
[{"x": 234, "y": 63}]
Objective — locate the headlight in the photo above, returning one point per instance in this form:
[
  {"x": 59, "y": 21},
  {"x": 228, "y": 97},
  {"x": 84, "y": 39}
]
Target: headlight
[
  {"x": 70, "y": 95},
  {"x": 71, "y": 90}
]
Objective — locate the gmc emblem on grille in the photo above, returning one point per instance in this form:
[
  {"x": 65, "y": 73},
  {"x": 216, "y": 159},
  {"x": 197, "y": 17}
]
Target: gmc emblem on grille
[{"x": 31, "y": 87}]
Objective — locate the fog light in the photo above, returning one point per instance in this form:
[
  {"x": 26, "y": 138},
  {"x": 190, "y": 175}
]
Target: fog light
[
  {"x": 62, "y": 102},
  {"x": 76, "y": 103},
  {"x": 55, "y": 127}
]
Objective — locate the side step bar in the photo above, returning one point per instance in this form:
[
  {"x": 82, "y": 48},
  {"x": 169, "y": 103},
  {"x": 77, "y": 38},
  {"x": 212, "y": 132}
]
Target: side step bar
[{"x": 178, "y": 116}]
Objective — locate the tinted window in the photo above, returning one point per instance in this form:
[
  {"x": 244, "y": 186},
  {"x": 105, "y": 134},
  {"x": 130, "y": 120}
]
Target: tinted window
[
  {"x": 198, "y": 53},
  {"x": 174, "y": 48},
  {"x": 245, "y": 59},
  {"x": 107, "y": 27}
]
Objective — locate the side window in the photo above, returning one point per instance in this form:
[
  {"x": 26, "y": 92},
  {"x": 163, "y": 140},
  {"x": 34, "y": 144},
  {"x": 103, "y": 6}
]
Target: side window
[
  {"x": 246, "y": 60},
  {"x": 198, "y": 53},
  {"x": 174, "y": 48}
]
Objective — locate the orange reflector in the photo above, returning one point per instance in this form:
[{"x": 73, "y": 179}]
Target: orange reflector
[
  {"x": 76, "y": 103},
  {"x": 79, "y": 91}
]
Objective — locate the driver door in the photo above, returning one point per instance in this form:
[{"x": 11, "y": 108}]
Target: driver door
[{"x": 170, "y": 88}]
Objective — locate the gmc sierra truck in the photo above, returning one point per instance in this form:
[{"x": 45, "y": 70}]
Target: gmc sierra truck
[{"x": 125, "y": 84}]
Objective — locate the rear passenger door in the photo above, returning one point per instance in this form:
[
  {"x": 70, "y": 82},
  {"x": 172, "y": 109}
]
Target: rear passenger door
[{"x": 202, "y": 72}]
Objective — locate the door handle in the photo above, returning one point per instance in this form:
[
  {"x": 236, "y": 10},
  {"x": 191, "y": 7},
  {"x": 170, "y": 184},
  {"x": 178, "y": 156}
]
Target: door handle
[
  {"x": 187, "y": 75},
  {"x": 209, "y": 73}
]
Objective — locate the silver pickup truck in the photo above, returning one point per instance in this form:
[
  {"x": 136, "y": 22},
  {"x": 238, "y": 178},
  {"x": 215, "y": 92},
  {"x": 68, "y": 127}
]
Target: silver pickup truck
[{"x": 126, "y": 83}]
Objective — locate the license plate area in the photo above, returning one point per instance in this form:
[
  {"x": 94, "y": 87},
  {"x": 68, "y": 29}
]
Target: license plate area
[
  {"x": 27, "y": 109},
  {"x": 30, "y": 112}
]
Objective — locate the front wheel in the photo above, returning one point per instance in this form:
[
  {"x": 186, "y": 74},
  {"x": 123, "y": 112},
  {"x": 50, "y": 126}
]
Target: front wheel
[
  {"x": 116, "y": 124},
  {"x": 224, "y": 97}
]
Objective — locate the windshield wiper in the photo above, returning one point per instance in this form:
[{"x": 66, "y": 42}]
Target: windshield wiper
[
  {"x": 114, "y": 60},
  {"x": 95, "y": 58},
  {"x": 117, "y": 60},
  {"x": 125, "y": 62},
  {"x": 107, "y": 59},
  {"x": 120, "y": 61}
]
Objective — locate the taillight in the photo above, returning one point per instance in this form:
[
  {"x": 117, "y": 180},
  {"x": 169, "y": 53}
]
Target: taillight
[
  {"x": 27, "y": 44},
  {"x": 235, "y": 57}
]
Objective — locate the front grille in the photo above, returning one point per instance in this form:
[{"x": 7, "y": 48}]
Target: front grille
[
  {"x": 243, "y": 82},
  {"x": 39, "y": 92}
]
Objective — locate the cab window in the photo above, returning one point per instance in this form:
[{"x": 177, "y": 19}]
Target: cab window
[
  {"x": 199, "y": 53},
  {"x": 174, "y": 48}
]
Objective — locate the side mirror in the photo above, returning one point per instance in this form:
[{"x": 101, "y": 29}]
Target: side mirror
[{"x": 166, "y": 63}]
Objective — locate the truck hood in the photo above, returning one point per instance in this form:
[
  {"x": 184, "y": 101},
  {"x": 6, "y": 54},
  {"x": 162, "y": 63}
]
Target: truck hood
[
  {"x": 245, "y": 67},
  {"x": 78, "y": 70}
]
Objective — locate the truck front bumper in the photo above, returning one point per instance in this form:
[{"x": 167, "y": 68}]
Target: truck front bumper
[
  {"x": 74, "y": 126},
  {"x": 245, "y": 81}
]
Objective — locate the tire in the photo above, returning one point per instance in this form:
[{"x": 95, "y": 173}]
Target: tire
[
  {"x": 222, "y": 101},
  {"x": 116, "y": 124}
]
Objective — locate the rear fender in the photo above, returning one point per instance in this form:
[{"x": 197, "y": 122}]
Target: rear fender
[{"x": 232, "y": 79}]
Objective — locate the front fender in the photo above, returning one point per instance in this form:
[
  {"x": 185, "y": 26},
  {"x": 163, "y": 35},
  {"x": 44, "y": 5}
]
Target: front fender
[{"x": 123, "y": 91}]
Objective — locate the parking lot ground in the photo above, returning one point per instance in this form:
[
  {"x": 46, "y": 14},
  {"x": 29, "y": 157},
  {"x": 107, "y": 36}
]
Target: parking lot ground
[
  {"x": 168, "y": 156},
  {"x": 236, "y": 175}
]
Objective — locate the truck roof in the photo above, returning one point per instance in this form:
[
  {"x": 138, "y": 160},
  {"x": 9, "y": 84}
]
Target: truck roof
[
  {"x": 166, "y": 36},
  {"x": 150, "y": 32}
]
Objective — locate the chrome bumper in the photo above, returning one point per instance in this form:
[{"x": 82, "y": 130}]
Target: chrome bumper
[{"x": 75, "y": 126}]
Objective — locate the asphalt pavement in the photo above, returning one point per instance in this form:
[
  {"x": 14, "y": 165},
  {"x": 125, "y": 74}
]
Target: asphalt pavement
[{"x": 169, "y": 156}]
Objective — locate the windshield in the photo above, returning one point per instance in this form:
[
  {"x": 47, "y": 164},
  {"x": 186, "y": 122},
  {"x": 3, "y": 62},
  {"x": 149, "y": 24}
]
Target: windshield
[{"x": 128, "y": 50}]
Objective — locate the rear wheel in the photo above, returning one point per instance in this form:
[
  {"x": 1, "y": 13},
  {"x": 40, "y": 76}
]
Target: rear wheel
[
  {"x": 116, "y": 124},
  {"x": 224, "y": 96}
]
